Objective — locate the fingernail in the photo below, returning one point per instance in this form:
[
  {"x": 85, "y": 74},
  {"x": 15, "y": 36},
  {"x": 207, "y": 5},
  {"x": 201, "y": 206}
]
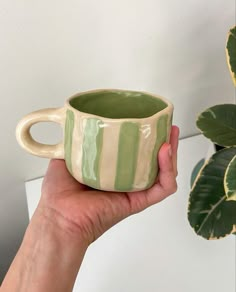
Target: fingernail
[{"x": 170, "y": 151}]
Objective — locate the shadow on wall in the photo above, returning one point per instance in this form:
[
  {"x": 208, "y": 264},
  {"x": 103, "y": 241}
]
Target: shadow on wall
[{"x": 12, "y": 231}]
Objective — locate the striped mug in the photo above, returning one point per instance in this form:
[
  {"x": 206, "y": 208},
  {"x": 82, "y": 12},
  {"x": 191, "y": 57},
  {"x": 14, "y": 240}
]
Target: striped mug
[{"x": 111, "y": 137}]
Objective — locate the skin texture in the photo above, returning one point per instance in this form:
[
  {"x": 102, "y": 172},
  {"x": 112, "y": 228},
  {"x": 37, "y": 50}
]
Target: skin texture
[{"x": 70, "y": 216}]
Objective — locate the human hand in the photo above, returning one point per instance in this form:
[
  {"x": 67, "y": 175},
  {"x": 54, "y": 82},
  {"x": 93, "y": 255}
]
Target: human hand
[
  {"x": 70, "y": 216},
  {"x": 88, "y": 212}
]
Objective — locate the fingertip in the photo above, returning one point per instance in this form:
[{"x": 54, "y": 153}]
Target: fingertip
[
  {"x": 165, "y": 154},
  {"x": 56, "y": 164},
  {"x": 175, "y": 130},
  {"x": 175, "y": 127},
  {"x": 174, "y": 139},
  {"x": 165, "y": 148}
]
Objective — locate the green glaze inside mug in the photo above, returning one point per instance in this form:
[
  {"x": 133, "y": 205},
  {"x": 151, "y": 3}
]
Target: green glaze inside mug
[
  {"x": 118, "y": 104},
  {"x": 111, "y": 138}
]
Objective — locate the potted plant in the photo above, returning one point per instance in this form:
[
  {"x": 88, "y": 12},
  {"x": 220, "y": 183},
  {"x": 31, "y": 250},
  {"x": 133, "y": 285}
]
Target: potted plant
[{"x": 212, "y": 200}]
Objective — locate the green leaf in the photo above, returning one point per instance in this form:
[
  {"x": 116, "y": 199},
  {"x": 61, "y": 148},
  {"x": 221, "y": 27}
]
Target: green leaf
[
  {"x": 218, "y": 123},
  {"x": 231, "y": 53},
  {"x": 196, "y": 170},
  {"x": 210, "y": 214},
  {"x": 230, "y": 180}
]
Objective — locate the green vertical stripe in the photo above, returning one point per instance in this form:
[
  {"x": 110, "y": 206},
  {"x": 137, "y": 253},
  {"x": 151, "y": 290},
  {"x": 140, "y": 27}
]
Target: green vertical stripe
[
  {"x": 127, "y": 156},
  {"x": 69, "y": 127},
  {"x": 92, "y": 147},
  {"x": 161, "y": 137}
]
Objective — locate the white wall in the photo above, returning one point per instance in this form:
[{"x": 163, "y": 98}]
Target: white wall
[{"x": 51, "y": 49}]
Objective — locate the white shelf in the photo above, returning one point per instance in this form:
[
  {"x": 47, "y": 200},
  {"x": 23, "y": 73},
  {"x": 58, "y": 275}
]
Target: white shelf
[{"x": 157, "y": 250}]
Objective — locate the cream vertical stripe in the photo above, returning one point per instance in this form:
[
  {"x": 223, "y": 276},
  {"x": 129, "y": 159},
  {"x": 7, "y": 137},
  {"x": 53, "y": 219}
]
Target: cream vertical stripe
[
  {"x": 169, "y": 124},
  {"x": 109, "y": 153},
  {"x": 147, "y": 142}
]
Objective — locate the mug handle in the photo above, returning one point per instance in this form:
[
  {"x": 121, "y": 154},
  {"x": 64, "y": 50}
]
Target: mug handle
[{"x": 27, "y": 142}]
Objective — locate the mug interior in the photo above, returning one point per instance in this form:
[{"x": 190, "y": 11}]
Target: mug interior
[{"x": 117, "y": 104}]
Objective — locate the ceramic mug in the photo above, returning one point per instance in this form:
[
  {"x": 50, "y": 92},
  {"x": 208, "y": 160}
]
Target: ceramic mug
[{"x": 111, "y": 138}]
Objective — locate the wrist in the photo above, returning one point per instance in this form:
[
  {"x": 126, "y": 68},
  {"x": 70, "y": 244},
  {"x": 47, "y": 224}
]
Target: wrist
[
  {"x": 47, "y": 220},
  {"x": 49, "y": 257},
  {"x": 55, "y": 234}
]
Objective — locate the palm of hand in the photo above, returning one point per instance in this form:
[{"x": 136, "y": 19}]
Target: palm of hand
[{"x": 92, "y": 212}]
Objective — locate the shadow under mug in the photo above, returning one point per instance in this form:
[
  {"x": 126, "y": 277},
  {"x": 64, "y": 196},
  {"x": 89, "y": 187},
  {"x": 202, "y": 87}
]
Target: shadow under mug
[{"x": 111, "y": 137}]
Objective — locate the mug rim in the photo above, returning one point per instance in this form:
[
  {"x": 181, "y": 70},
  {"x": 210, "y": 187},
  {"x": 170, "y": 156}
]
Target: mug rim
[{"x": 168, "y": 108}]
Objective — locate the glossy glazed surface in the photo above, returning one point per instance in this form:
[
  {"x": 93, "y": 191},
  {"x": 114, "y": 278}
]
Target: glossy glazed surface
[
  {"x": 120, "y": 156},
  {"x": 118, "y": 104},
  {"x": 116, "y": 154},
  {"x": 111, "y": 154}
]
